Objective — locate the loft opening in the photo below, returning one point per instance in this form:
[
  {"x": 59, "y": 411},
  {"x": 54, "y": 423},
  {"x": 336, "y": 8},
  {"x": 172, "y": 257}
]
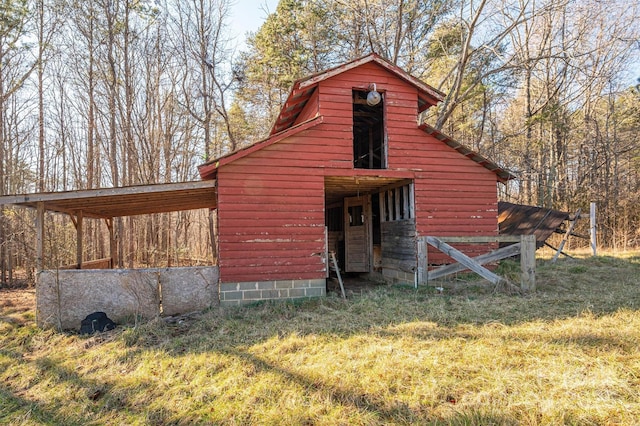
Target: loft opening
[{"x": 369, "y": 147}]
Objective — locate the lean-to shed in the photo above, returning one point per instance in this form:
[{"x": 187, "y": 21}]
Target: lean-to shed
[{"x": 348, "y": 171}]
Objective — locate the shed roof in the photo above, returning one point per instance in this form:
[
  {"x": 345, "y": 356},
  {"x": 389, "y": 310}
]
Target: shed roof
[
  {"x": 519, "y": 219},
  {"x": 107, "y": 203}
]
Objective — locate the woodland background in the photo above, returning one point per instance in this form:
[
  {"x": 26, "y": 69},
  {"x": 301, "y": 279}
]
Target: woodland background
[{"x": 101, "y": 93}]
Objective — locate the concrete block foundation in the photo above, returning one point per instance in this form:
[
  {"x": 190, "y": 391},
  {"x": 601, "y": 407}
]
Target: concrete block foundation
[{"x": 233, "y": 294}]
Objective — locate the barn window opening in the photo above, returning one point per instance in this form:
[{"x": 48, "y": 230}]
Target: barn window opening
[
  {"x": 369, "y": 148},
  {"x": 397, "y": 204},
  {"x": 356, "y": 216}
]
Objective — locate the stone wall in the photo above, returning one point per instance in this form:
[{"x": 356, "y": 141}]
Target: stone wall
[
  {"x": 65, "y": 297},
  {"x": 251, "y": 292}
]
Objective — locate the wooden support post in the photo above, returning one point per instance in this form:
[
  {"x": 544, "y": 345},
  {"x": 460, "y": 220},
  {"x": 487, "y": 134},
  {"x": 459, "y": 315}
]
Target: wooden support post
[
  {"x": 592, "y": 227},
  {"x": 528, "y": 263},
  {"x": 325, "y": 257},
  {"x": 555, "y": 249},
  {"x": 79, "y": 238},
  {"x": 566, "y": 236},
  {"x": 423, "y": 265},
  {"x": 337, "y": 269},
  {"x": 112, "y": 242},
  {"x": 40, "y": 237}
]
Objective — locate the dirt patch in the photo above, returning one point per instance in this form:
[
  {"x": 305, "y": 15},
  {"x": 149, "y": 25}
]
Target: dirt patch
[{"x": 17, "y": 305}]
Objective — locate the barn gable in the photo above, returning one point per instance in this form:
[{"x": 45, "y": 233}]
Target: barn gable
[
  {"x": 303, "y": 108},
  {"x": 341, "y": 174}
]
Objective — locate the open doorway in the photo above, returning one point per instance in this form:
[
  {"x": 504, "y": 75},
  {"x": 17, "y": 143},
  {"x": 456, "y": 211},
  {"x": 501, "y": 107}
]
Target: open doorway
[
  {"x": 370, "y": 226},
  {"x": 369, "y": 147}
]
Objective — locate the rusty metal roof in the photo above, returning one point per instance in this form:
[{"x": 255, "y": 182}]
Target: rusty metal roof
[
  {"x": 519, "y": 219},
  {"x": 107, "y": 203}
]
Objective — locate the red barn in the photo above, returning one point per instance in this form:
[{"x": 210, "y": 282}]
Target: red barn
[{"x": 347, "y": 168}]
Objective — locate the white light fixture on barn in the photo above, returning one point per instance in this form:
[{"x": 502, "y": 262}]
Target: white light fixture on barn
[{"x": 373, "y": 97}]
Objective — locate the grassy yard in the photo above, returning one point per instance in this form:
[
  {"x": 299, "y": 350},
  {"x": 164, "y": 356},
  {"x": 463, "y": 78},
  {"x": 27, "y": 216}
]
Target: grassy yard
[{"x": 569, "y": 354}]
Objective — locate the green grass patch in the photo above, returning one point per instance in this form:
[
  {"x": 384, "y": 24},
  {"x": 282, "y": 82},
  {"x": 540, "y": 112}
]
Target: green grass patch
[{"x": 568, "y": 354}]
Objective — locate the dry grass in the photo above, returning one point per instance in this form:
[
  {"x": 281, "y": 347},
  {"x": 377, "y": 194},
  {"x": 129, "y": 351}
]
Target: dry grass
[{"x": 570, "y": 354}]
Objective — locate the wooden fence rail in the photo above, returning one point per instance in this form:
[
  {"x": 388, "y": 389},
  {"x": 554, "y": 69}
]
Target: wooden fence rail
[{"x": 525, "y": 245}]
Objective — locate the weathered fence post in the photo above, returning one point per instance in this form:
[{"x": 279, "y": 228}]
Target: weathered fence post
[
  {"x": 592, "y": 227},
  {"x": 422, "y": 262},
  {"x": 528, "y": 263}
]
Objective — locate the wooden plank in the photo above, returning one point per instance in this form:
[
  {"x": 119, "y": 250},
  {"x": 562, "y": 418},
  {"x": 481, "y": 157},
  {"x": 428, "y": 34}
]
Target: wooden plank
[
  {"x": 290, "y": 222},
  {"x": 528, "y": 263},
  {"x": 258, "y": 215},
  {"x": 565, "y": 238},
  {"x": 481, "y": 239},
  {"x": 40, "y": 236},
  {"x": 113, "y": 251},
  {"x": 268, "y": 242},
  {"x": 275, "y": 262},
  {"x": 259, "y": 181},
  {"x": 92, "y": 194},
  {"x": 79, "y": 238},
  {"x": 228, "y": 275},
  {"x": 593, "y": 228},
  {"x": 399, "y": 228},
  {"x": 272, "y": 199},
  {"x": 337, "y": 269},
  {"x": 211, "y": 166},
  {"x": 423, "y": 263},
  {"x": 405, "y": 198},
  {"x": 555, "y": 249},
  {"x": 408, "y": 266},
  {"x": 483, "y": 259},
  {"x": 239, "y": 252},
  {"x": 465, "y": 260},
  {"x": 412, "y": 200},
  {"x": 400, "y": 251}
]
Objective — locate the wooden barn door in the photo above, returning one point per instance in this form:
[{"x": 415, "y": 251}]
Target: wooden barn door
[{"x": 357, "y": 234}]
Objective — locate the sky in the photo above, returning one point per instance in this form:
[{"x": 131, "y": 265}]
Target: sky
[{"x": 248, "y": 15}]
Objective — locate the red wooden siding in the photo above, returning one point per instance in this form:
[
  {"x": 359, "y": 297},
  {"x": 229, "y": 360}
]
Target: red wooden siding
[
  {"x": 270, "y": 222},
  {"x": 453, "y": 195},
  {"x": 271, "y": 206},
  {"x": 271, "y": 201}
]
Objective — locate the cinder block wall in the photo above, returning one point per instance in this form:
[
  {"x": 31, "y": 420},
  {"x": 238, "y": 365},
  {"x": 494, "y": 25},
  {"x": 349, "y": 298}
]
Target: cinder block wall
[{"x": 251, "y": 292}]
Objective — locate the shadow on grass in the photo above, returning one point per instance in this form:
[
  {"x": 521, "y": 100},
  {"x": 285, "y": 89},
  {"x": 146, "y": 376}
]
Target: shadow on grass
[
  {"x": 337, "y": 396},
  {"x": 16, "y": 408},
  {"x": 382, "y": 410},
  {"x": 565, "y": 290}
]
